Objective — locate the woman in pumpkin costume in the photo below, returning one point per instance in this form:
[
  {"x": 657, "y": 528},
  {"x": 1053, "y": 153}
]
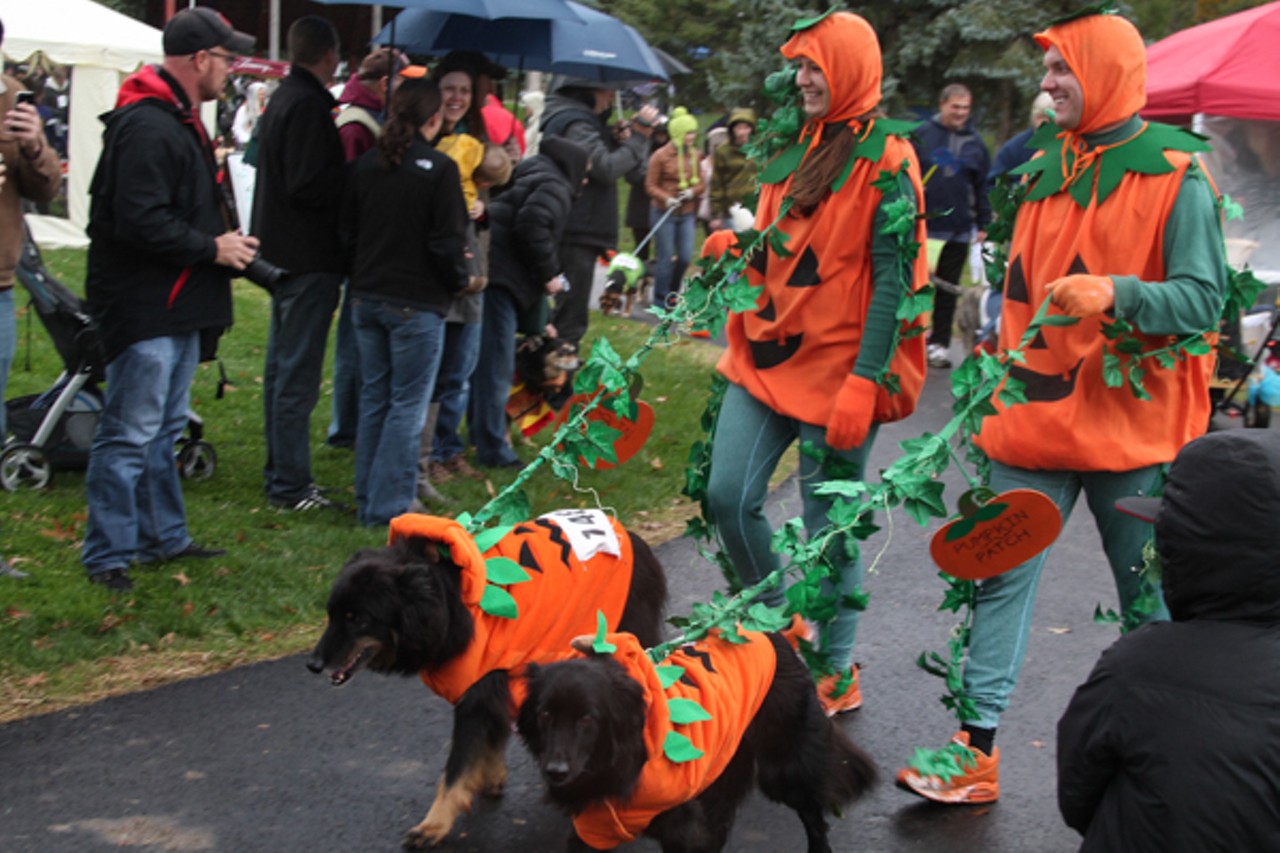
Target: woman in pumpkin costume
[
  {"x": 1119, "y": 222},
  {"x": 823, "y": 357}
]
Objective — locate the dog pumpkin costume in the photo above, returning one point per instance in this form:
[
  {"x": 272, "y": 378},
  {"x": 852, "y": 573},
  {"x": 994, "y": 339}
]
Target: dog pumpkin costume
[
  {"x": 557, "y": 603},
  {"x": 729, "y": 681}
]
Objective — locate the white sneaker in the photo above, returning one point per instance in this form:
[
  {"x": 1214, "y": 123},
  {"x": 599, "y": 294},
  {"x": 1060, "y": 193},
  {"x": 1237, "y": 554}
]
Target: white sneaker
[{"x": 938, "y": 355}]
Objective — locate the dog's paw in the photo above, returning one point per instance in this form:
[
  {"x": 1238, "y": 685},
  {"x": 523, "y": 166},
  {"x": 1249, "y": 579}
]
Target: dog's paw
[{"x": 426, "y": 834}]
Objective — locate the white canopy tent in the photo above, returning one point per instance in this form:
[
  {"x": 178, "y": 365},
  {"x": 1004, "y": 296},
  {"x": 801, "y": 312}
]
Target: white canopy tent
[{"x": 100, "y": 45}]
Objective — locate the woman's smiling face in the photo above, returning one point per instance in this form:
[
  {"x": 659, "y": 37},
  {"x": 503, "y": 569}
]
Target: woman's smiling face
[
  {"x": 455, "y": 92},
  {"x": 815, "y": 94}
]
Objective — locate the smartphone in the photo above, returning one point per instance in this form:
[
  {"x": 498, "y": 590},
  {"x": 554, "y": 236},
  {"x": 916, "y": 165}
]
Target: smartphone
[{"x": 26, "y": 96}]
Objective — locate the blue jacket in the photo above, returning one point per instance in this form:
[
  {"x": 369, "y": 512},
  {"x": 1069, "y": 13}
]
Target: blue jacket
[{"x": 955, "y": 195}]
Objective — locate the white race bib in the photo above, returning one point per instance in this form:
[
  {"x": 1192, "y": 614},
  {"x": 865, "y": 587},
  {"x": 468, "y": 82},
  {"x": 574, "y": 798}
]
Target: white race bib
[{"x": 589, "y": 530}]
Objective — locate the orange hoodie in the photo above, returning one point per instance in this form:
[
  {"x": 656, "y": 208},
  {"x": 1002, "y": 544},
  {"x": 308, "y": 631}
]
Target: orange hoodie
[
  {"x": 1073, "y": 421},
  {"x": 729, "y": 681},
  {"x": 794, "y": 352},
  {"x": 557, "y": 603}
]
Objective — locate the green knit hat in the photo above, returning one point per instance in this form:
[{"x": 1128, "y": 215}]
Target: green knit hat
[{"x": 679, "y": 124}]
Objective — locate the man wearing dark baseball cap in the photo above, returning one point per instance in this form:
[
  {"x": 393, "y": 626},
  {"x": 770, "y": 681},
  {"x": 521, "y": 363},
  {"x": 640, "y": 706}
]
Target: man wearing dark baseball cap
[
  {"x": 1174, "y": 740},
  {"x": 161, "y": 257},
  {"x": 202, "y": 28}
]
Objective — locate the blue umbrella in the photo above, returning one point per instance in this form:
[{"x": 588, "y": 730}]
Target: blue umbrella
[
  {"x": 599, "y": 48},
  {"x": 486, "y": 9}
]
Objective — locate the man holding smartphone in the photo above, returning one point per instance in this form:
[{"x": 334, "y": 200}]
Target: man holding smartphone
[{"x": 30, "y": 169}]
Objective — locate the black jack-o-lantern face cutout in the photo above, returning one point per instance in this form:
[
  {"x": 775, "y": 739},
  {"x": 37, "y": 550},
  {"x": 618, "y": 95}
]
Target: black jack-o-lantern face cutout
[
  {"x": 1040, "y": 387},
  {"x": 771, "y": 353}
]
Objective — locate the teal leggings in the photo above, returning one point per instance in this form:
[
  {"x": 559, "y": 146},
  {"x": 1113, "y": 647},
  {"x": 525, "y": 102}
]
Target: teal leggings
[
  {"x": 750, "y": 438},
  {"x": 1002, "y": 615}
]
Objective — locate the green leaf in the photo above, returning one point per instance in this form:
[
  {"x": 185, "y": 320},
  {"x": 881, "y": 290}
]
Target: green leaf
[
  {"x": 504, "y": 571},
  {"x": 600, "y": 645},
  {"x": 781, "y": 167},
  {"x": 668, "y": 674},
  {"x": 496, "y": 601},
  {"x": 685, "y": 711},
  {"x": 1059, "y": 320},
  {"x": 678, "y": 749},
  {"x": 489, "y": 537}
]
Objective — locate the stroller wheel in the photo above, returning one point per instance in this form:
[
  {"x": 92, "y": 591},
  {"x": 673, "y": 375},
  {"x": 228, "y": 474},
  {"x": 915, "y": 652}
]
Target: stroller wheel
[
  {"x": 24, "y": 466},
  {"x": 197, "y": 460}
]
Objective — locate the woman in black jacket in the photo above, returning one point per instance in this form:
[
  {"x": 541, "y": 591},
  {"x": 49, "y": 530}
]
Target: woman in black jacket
[
  {"x": 405, "y": 220},
  {"x": 526, "y": 223}
]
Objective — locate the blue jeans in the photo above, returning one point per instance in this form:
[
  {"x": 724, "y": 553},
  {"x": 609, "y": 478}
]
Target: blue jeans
[
  {"x": 750, "y": 438},
  {"x": 491, "y": 383},
  {"x": 346, "y": 376},
  {"x": 399, "y": 358},
  {"x": 132, "y": 485},
  {"x": 1002, "y": 614},
  {"x": 301, "y": 312},
  {"x": 672, "y": 238},
  {"x": 8, "y": 345},
  {"x": 453, "y": 387}
]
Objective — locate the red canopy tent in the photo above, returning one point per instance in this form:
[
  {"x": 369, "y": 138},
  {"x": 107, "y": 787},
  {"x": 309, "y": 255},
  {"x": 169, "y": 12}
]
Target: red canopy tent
[{"x": 1227, "y": 67}]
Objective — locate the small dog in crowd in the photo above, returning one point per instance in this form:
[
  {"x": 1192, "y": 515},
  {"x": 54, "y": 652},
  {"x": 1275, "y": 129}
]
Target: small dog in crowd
[
  {"x": 546, "y": 364},
  {"x": 598, "y": 727},
  {"x": 418, "y": 607}
]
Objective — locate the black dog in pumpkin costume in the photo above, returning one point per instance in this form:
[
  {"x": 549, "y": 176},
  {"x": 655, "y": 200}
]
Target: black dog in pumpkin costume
[
  {"x": 432, "y": 604},
  {"x": 669, "y": 751}
]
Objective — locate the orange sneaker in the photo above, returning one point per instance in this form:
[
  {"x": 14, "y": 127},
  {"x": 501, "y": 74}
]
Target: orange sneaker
[
  {"x": 839, "y": 692},
  {"x": 956, "y": 774}
]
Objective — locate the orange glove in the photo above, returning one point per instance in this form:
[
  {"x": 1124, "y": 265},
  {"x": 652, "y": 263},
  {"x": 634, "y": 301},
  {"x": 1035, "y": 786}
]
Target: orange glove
[
  {"x": 851, "y": 416},
  {"x": 1082, "y": 295}
]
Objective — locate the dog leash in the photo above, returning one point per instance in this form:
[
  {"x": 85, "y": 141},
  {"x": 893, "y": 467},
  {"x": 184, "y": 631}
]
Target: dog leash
[{"x": 653, "y": 230}]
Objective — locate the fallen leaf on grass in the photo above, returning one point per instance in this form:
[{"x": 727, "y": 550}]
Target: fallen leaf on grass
[
  {"x": 35, "y": 680},
  {"x": 16, "y": 614},
  {"x": 188, "y": 608},
  {"x": 182, "y": 579},
  {"x": 58, "y": 533},
  {"x": 656, "y": 464},
  {"x": 108, "y": 622}
]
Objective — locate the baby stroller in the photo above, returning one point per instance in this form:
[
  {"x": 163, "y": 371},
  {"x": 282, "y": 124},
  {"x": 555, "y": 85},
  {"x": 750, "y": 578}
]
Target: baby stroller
[{"x": 55, "y": 429}]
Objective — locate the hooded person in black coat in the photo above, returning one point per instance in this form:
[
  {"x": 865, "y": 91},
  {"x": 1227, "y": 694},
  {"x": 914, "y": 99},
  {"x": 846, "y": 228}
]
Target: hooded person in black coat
[
  {"x": 1173, "y": 743},
  {"x": 526, "y": 222}
]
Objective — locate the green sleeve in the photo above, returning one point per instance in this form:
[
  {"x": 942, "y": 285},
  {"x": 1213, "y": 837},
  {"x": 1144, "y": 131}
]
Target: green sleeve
[
  {"x": 881, "y": 321},
  {"x": 1190, "y": 299}
]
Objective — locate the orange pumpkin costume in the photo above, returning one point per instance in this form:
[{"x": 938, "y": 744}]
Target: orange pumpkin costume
[
  {"x": 794, "y": 352},
  {"x": 729, "y": 681},
  {"x": 558, "y": 602},
  {"x": 1073, "y": 420}
]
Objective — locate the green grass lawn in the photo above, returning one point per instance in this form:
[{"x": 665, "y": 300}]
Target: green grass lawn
[{"x": 67, "y": 641}]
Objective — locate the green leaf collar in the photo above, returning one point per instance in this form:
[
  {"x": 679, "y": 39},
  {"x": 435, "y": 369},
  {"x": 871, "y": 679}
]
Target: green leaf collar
[{"x": 1143, "y": 153}]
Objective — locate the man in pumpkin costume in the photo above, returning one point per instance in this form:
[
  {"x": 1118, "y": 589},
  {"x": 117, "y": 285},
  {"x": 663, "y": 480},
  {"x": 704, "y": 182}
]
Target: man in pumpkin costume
[
  {"x": 1119, "y": 224},
  {"x": 823, "y": 356}
]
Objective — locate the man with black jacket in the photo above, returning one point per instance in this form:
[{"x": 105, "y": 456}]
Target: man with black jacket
[
  {"x": 526, "y": 223},
  {"x": 955, "y": 162},
  {"x": 159, "y": 285},
  {"x": 578, "y": 110},
  {"x": 1173, "y": 743},
  {"x": 301, "y": 170}
]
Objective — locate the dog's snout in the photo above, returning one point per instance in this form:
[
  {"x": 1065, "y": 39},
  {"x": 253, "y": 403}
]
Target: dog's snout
[
  {"x": 316, "y": 664},
  {"x": 556, "y": 771}
]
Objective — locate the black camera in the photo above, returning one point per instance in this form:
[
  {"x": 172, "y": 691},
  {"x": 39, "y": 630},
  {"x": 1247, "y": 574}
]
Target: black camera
[{"x": 263, "y": 273}]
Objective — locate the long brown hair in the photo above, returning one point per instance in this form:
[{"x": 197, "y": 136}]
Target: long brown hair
[
  {"x": 824, "y": 165},
  {"x": 413, "y": 104}
]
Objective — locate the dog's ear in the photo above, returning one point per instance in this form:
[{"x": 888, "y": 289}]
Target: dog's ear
[{"x": 421, "y": 546}]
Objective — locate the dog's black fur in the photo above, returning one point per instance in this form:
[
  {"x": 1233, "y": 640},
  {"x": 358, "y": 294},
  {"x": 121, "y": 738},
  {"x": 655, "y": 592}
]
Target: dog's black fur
[
  {"x": 584, "y": 722},
  {"x": 399, "y": 610}
]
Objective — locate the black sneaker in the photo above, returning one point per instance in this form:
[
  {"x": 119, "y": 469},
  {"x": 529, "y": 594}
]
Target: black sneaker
[
  {"x": 312, "y": 499},
  {"x": 116, "y": 580}
]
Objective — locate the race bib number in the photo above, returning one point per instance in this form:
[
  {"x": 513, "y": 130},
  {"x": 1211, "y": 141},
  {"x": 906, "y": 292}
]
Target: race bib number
[{"x": 589, "y": 530}]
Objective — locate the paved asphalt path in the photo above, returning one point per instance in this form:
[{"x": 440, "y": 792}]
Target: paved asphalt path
[{"x": 271, "y": 758}]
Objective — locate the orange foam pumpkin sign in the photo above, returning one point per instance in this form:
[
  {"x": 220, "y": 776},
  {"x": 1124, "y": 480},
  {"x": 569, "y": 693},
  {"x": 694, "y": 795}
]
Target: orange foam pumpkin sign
[
  {"x": 995, "y": 533},
  {"x": 634, "y": 433}
]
